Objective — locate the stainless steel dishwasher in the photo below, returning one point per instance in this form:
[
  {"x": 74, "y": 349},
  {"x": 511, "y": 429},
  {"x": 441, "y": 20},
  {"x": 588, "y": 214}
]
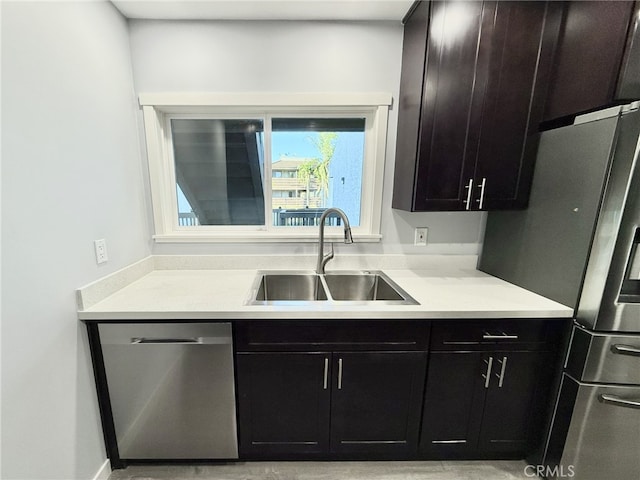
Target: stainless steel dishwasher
[{"x": 171, "y": 387}]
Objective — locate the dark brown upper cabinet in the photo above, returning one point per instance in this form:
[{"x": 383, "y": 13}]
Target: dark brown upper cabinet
[
  {"x": 597, "y": 60},
  {"x": 474, "y": 79}
]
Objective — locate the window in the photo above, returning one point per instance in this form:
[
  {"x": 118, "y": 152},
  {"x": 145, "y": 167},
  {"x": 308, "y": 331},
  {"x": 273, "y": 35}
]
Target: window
[{"x": 255, "y": 167}]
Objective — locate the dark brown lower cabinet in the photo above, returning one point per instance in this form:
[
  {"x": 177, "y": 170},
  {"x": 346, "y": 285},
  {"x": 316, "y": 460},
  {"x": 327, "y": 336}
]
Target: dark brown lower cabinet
[
  {"x": 376, "y": 401},
  {"x": 483, "y": 404},
  {"x": 511, "y": 401},
  {"x": 283, "y": 401},
  {"x": 453, "y": 404},
  {"x": 441, "y": 389},
  {"x": 329, "y": 404}
]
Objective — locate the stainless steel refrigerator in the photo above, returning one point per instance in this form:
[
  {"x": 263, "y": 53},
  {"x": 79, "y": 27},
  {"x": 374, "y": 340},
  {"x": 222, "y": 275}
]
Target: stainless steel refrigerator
[{"x": 579, "y": 243}]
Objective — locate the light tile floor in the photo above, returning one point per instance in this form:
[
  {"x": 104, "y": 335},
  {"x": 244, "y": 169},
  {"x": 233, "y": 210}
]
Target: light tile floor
[{"x": 454, "y": 470}]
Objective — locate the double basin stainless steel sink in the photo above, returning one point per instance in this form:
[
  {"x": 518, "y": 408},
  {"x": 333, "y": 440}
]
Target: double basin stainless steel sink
[
  {"x": 345, "y": 287},
  {"x": 319, "y": 288}
]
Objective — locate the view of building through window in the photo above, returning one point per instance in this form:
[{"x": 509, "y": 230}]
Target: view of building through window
[
  {"x": 315, "y": 164},
  {"x": 315, "y": 170}
]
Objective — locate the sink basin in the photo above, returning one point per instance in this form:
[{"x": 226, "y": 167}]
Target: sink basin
[
  {"x": 308, "y": 288},
  {"x": 290, "y": 287},
  {"x": 361, "y": 286}
]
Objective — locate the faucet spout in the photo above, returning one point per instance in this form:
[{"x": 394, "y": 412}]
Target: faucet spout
[{"x": 322, "y": 258}]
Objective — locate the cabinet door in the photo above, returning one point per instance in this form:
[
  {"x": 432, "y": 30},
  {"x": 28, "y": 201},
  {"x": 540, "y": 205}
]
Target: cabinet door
[
  {"x": 519, "y": 61},
  {"x": 589, "y": 57},
  {"x": 414, "y": 53},
  {"x": 628, "y": 83},
  {"x": 375, "y": 404},
  {"x": 453, "y": 404},
  {"x": 447, "y": 104},
  {"x": 510, "y": 401},
  {"x": 487, "y": 66},
  {"x": 283, "y": 401}
]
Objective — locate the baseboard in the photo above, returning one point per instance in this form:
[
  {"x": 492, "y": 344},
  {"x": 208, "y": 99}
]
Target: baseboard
[{"x": 104, "y": 471}]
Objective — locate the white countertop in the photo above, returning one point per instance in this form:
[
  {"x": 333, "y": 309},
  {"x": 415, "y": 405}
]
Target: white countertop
[{"x": 442, "y": 292}]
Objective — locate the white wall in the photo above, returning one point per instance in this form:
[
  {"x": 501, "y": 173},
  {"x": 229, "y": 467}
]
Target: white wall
[
  {"x": 294, "y": 57},
  {"x": 71, "y": 173}
]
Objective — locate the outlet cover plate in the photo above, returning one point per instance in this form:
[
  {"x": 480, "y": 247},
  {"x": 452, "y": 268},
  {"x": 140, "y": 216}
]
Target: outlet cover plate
[
  {"x": 101, "y": 251},
  {"x": 421, "y": 237}
]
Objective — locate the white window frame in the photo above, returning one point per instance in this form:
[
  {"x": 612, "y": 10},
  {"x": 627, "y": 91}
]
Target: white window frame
[{"x": 159, "y": 108}]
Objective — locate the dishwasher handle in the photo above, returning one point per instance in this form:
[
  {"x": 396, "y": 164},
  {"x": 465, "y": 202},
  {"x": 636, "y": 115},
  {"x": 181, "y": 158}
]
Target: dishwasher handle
[
  {"x": 163, "y": 341},
  {"x": 181, "y": 341}
]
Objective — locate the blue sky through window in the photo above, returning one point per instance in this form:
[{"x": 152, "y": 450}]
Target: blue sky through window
[{"x": 293, "y": 144}]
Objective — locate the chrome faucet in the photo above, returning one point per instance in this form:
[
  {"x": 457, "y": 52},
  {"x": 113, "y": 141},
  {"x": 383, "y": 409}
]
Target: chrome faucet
[{"x": 322, "y": 258}]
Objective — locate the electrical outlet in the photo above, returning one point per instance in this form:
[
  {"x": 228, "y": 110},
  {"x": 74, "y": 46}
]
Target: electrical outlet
[
  {"x": 421, "y": 237},
  {"x": 101, "y": 250}
]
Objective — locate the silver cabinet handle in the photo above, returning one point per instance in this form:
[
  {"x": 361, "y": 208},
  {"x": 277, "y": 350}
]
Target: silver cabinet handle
[
  {"x": 502, "y": 336},
  {"x": 502, "y": 370},
  {"x": 487, "y": 376},
  {"x": 626, "y": 350},
  {"x": 339, "y": 374},
  {"x": 469, "y": 192},
  {"x": 325, "y": 383},
  {"x": 163, "y": 341},
  {"x": 615, "y": 400},
  {"x": 482, "y": 185}
]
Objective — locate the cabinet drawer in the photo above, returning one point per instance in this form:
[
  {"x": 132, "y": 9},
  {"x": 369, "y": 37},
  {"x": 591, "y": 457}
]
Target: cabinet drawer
[
  {"x": 304, "y": 335},
  {"x": 521, "y": 334}
]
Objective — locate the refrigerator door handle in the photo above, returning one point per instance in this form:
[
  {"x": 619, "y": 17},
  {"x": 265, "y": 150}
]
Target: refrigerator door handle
[
  {"x": 621, "y": 402},
  {"x": 625, "y": 350}
]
